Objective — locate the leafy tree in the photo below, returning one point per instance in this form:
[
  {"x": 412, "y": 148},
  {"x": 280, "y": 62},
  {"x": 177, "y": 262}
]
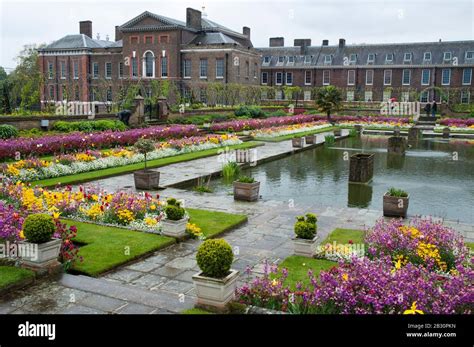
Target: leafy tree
[{"x": 328, "y": 100}]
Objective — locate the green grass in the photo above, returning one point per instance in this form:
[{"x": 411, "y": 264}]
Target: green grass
[
  {"x": 470, "y": 245},
  {"x": 298, "y": 267},
  {"x": 11, "y": 275},
  {"x": 343, "y": 236},
  {"x": 120, "y": 170},
  {"x": 291, "y": 136},
  {"x": 196, "y": 311},
  {"x": 105, "y": 248},
  {"x": 213, "y": 223}
]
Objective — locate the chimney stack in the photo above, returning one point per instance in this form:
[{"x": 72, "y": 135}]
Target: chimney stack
[
  {"x": 193, "y": 18},
  {"x": 325, "y": 42},
  {"x": 246, "y": 32},
  {"x": 303, "y": 44},
  {"x": 342, "y": 43},
  {"x": 277, "y": 42},
  {"x": 118, "y": 33},
  {"x": 85, "y": 27}
]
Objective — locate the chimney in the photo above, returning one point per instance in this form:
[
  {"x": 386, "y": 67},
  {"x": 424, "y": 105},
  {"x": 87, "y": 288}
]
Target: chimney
[
  {"x": 277, "y": 42},
  {"x": 118, "y": 33},
  {"x": 193, "y": 19},
  {"x": 85, "y": 27},
  {"x": 342, "y": 43},
  {"x": 246, "y": 32},
  {"x": 325, "y": 42},
  {"x": 302, "y": 43}
]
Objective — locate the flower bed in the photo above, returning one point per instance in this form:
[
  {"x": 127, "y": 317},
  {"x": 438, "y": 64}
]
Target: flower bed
[
  {"x": 289, "y": 129},
  {"x": 458, "y": 122},
  {"x": 69, "y": 164},
  {"x": 79, "y": 141}
]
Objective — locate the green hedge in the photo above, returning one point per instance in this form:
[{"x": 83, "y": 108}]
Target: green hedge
[
  {"x": 97, "y": 125},
  {"x": 8, "y": 131}
]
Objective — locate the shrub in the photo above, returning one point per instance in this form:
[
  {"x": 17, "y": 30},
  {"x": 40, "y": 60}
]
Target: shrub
[
  {"x": 173, "y": 210},
  {"x": 305, "y": 226},
  {"x": 279, "y": 113},
  {"x": 329, "y": 140},
  {"x": 249, "y": 111},
  {"x": 230, "y": 170},
  {"x": 398, "y": 193},
  {"x": 246, "y": 179},
  {"x": 39, "y": 228},
  {"x": 87, "y": 126},
  {"x": 8, "y": 131},
  {"x": 214, "y": 257}
]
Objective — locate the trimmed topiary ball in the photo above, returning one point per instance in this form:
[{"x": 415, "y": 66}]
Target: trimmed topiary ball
[
  {"x": 214, "y": 257},
  {"x": 39, "y": 228},
  {"x": 305, "y": 226},
  {"x": 174, "y": 212}
]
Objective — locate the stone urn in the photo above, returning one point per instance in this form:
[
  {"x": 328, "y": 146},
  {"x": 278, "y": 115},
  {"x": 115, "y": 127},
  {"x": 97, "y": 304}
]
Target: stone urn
[
  {"x": 41, "y": 255},
  {"x": 246, "y": 191},
  {"x": 298, "y": 142},
  {"x": 394, "y": 206},
  {"x": 215, "y": 292},
  {"x": 310, "y": 139},
  {"x": 305, "y": 247},
  {"x": 147, "y": 179}
]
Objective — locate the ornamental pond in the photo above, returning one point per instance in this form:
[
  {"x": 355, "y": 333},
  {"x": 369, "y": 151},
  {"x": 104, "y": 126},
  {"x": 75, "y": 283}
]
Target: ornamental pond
[{"x": 437, "y": 173}]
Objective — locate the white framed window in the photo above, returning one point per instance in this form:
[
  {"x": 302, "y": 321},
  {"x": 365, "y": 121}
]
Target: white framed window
[
  {"x": 109, "y": 94},
  {"x": 62, "y": 68},
  {"x": 387, "y": 94},
  {"x": 350, "y": 95},
  {"x": 203, "y": 95},
  {"x": 164, "y": 67},
  {"x": 446, "y": 77},
  {"x": 307, "y": 59},
  {"x": 95, "y": 70},
  {"x": 308, "y": 78},
  {"x": 424, "y": 96},
  {"x": 447, "y": 56},
  {"x": 187, "y": 68},
  {"x": 264, "y": 78},
  {"x": 406, "y": 77},
  {"x": 51, "y": 92},
  {"x": 279, "y": 95},
  {"x": 279, "y": 78},
  {"x": 203, "y": 68},
  {"x": 51, "y": 73},
  {"x": 108, "y": 70},
  {"x": 289, "y": 78},
  {"x": 328, "y": 59},
  {"x": 307, "y": 95},
  {"x": 75, "y": 70},
  {"x": 368, "y": 96},
  {"x": 219, "y": 68},
  {"x": 425, "y": 77},
  {"x": 350, "y": 77},
  {"x": 149, "y": 64},
  {"x": 427, "y": 56},
  {"x": 407, "y": 57},
  {"x": 369, "y": 77},
  {"x": 120, "y": 70},
  {"x": 134, "y": 67},
  {"x": 371, "y": 58},
  {"x": 467, "y": 76},
  {"x": 389, "y": 58},
  {"x": 281, "y": 60},
  {"x": 465, "y": 96},
  {"x": 326, "y": 77},
  {"x": 353, "y": 58},
  {"x": 291, "y": 60},
  {"x": 405, "y": 96},
  {"x": 469, "y": 55},
  {"x": 387, "y": 77},
  {"x": 266, "y": 60}
]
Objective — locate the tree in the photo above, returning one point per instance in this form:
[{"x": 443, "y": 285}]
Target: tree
[
  {"x": 328, "y": 100},
  {"x": 4, "y": 92}
]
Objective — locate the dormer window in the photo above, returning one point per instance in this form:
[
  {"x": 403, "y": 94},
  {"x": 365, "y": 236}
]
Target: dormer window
[
  {"x": 353, "y": 58},
  {"x": 371, "y": 58},
  {"x": 307, "y": 59},
  {"x": 469, "y": 55},
  {"x": 407, "y": 58},
  {"x": 291, "y": 60},
  {"x": 389, "y": 58},
  {"x": 328, "y": 59},
  {"x": 266, "y": 60},
  {"x": 281, "y": 60},
  {"x": 427, "y": 56},
  {"x": 447, "y": 56}
]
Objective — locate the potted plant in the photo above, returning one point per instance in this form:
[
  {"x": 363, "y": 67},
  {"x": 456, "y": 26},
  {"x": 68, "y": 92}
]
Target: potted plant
[
  {"x": 174, "y": 224},
  {"x": 146, "y": 179},
  {"x": 310, "y": 139},
  {"x": 395, "y": 203},
  {"x": 305, "y": 240},
  {"x": 246, "y": 188},
  {"x": 298, "y": 142},
  {"x": 216, "y": 283},
  {"x": 38, "y": 230}
]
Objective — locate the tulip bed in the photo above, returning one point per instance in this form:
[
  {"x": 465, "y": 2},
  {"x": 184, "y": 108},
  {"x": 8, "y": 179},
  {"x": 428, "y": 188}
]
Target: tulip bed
[
  {"x": 288, "y": 131},
  {"x": 420, "y": 268}
]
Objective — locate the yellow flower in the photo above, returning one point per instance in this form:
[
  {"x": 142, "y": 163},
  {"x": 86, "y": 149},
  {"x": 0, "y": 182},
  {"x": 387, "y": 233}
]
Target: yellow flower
[
  {"x": 413, "y": 309},
  {"x": 22, "y": 234},
  {"x": 151, "y": 221},
  {"x": 95, "y": 197},
  {"x": 56, "y": 215},
  {"x": 274, "y": 282},
  {"x": 153, "y": 207},
  {"x": 345, "y": 277}
]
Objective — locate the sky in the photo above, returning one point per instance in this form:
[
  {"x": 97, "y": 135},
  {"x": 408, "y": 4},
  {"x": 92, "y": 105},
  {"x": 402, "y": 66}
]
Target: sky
[{"x": 25, "y": 22}]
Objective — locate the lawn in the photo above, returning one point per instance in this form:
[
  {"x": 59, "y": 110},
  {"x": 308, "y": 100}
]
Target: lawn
[
  {"x": 196, "y": 311},
  {"x": 213, "y": 223},
  {"x": 11, "y": 275},
  {"x": 104, "y": 248},
  {"x": 470, "y": 245},
  {"x": 344, "y": 236},
  {"x": 291, "y": 136},
  {"x": 120, "y": 170}
]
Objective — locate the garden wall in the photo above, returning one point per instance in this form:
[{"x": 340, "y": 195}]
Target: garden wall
[{"x": 34, "y": 122}]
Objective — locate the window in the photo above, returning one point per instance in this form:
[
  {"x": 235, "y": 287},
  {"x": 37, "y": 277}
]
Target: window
[
  {"x": 203, "y": 95},
  {"x": 164, "y": 67},
  {"x": 369, "y": 77},
  {"x": 120, "y": 70},
  {"x": 266, "y": 60},
  {"x": 407, "y": 57},
  {"x": 326, "y": 77},
  {"x": 187, "y": 94},
  {"x": 279, "y": 78},
  {"x": 149, "y": 39},
  {"x": 255, "y": 70},
  {"x": 368, "y": 96},
  {"x": 64, "y": 92},
  {"x": 264, "y": 77},
  {"x": 307, "y": 59},
  {"x": 308, "y": 78},
  {"x": 291, "y": 60},
  {"x": 467, "y": 76},
  {"x": 427, "y": 56},
  {"x": 289, "y": 78},
  {"x": 187, "y": 68},
  {"x": 353, "y": 58},
  {"x": 247, "y": 69},
  {"x": 447, "y": 56},
  {"x": 62, "y": 66},
  {"x": 350, "y": 77},
  {"x": 109, "y": 94},
  {"x": 203, "y": 68},
  {"x": 350, "y": 95},
  {"x": 465, "y": 97},
  {"x": 469, "y": 55},
  {"x": 281, "y": 60},
  {"x": 76, "y": 93},
  {"x": 75, "y": 68},
  {"x": 327, "y": 59},
  {"x": 424, "y": 96},
  {"x": 425, "y": 77},
  {"x": 371, "y": 58},
  {"x": 134, "y": 67},
  {"x": 134, "y": 40},
  {"x": 406, "y": 77},
  {"x": 95, "y": 70},
  {"x": 264, "y": 95},
  {"x": 446, "y": 77},
  {"x": 387, "y": 94},
  {"x": 108, "y": 70},
  {"x": 389, "y": 58},
  {"x": 50, "y": 71},
  {"x": 387, "y": 77},
  {"x": 51, "y": 92},
  {"x": 307, "y": 95},
  {"x": 219, "y": 68},
  {"x": 164, "y": 39},
  {"x": 279, "y": 95},
  {"x": 405, "y": 96},
  {"x": 149, "y": 64}
]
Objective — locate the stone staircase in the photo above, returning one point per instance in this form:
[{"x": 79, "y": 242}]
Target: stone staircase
[{"x": 426, "y": 123}]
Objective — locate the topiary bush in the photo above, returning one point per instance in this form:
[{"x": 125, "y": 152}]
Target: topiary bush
[
  {"x": 8, "y": 131},
  {"x": 86, "y": 126},
  {"x": 39, "y": 228},
  {"x": 173, "y": 209},
  {"x": 305, "y": 226},
  {"x": 249, "y": 111},
  {"x": 214, "y": 257}
]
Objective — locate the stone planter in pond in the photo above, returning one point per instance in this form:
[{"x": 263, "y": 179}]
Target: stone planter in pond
[
  {"x": 337, "y": 132},
  {"x": 396, "y": 145},
  {"x": 361, "y": 168},
  {"x": 41, "y": 255},
  {"x": 310, "y": 139},
  {"x": 305, "y": 247},
  {"x": 146, "y": 179},
  {"x": 298, "y": 142},
  {"x": 174, "y": 228},
  {"x": 394, "y": 206},
  {"x": 446, "y": 132},
  {"x": 414, "y": 134},
  {"x": 215, "y": 292},
  {"x": 246, "y": 191}
]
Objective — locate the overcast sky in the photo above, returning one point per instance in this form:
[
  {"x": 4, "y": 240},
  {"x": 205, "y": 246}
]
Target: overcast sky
[{"x": 26, "y": 22}]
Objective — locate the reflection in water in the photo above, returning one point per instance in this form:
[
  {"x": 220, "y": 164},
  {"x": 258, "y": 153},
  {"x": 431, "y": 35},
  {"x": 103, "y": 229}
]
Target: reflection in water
[{"x": 438, "y": 174}]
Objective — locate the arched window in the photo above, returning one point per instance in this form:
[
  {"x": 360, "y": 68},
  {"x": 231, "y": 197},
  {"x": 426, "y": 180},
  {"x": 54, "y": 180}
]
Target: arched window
[{"x": 149, "y": 64}]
